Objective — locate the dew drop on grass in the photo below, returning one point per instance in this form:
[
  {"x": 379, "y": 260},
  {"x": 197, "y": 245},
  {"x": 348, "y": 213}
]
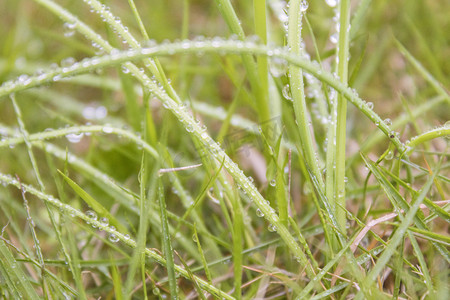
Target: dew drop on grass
[
  {"x": 331, "y": 3},
  {"x": 156, "y": 291},
  {"x": 272, "y": 228},
  {"x": 91, "y": 215},
  {"x": 259, "y": 213},
  {"x": 370, "y": 105},
  {"x": 104, "y": 221},
  {"x": 286, "y": 92},
  {"x": 189, "y": 128},
  {"x": 194, "y": 238},
  {"x": 345, "y": 179},
  {"x": 388, "y": 122},
  {"x": 113, "y": 238},
  {"x": 278, "y": 67},
  {"x": 67, "y": 62},
  {"x": 389, "y": 155},
  {"x": 24, "y": 79},
  {"x": 107, "y": 129},
  {"x": 69, "y": 29},
  {"x": 304, "y": 5},
  {"x": 334, "y": 38},
  {"x": 125, "y": 70},
  {"x": 273, "y": 182},
  {"x": 74, "y": 137}
]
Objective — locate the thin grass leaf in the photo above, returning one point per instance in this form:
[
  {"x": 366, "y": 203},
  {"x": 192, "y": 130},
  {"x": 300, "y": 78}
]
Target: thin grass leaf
[
  {"x": 144, "y": 216},
  {"x": 94, "y": 204},
  {"x": 425, "y": 74},
  {"x": 166, "y": 241},
  {"x": 400, "y": 203},
  {"x": 17, "y": 282},
  {"x": 117, "y": 281},
  {"x": 398, "y": 235},
  {"x": 191, "y": 275},
  {"x": 51, "y": 275},
  {"x": 202, "y": 254}
]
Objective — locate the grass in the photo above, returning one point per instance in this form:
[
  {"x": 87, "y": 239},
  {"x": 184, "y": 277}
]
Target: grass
[{"x": 219, "y": 149}]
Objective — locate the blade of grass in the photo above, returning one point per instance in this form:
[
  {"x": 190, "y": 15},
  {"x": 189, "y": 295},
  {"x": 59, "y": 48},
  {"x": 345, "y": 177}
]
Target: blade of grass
[
  {"x": 191, "y": 275},
  {"x": 202, "y": 254},
  {"x": 398, "y": 235},
  {"x": 166, "y": 241},
  {"x": 422, "y": 71},
  {"x": 144, "y": 208},
  {"x": 117, "y": 281},
  {"x": 74, "y": 213},
  {"x": 94, "y": 204},
  {"x": 27, "y": 258},
  {"x": 237, "y": 237},
  {"x": 341, "y": 127},
  {"x": 400, "y": 203},
  {"x": 185, "y": 47},
  {"x": 297, "y": 90},
  {"x": 227, "y": 11},
  {"x": 17, "y": 282}
]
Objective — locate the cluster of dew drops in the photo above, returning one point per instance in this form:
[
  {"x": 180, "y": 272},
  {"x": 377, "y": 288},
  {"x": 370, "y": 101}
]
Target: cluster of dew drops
[{"x": 104, "y": 222}]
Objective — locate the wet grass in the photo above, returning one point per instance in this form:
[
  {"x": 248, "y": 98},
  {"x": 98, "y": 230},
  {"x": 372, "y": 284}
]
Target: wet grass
[{"x": 195, "y": 149}]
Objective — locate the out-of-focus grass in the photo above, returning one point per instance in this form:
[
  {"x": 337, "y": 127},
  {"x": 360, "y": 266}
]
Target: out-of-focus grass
[{"x": 318, "y": 204}]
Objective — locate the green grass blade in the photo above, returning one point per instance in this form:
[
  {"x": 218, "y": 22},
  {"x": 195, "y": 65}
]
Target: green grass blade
[
  {"x": 166, "y": 241},
  {"x": 17, "y": 281},
  {"x": 398, "y": 235},
  {"x": 94, "y": 204}
]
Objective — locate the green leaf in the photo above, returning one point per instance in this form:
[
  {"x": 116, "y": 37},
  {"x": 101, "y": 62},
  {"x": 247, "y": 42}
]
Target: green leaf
[{"x": 94, "y": 204}]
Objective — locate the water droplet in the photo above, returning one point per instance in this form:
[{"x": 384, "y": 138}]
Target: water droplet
[
  {"x": 345, "y": 179},
  {"x": 104, "y": 221},
  {"x": 125, "y": 69},
  {"x": 101, "y": 112},
  {"x": 194, "y": 238},
  {"x": 304, "y": 5},
  {"x": 189, "y": 128},
  {"x": 331, "y": 3},
  {"x": 67, "y": 62},
  {"x": 69, "y": 29},
  {"x": 388, "y": 122},
  {"x": 389, "y": 155},
  {"x": 286, "y": 92},
  {"x": 74, "y": 137},
  {"x": 107, "y": 129},
  {"x": 334, "y": 38},
  {"x": 278, "y": 67},
  {"x": 273, "y": 182},
  {"x": 91, "y": 215},
  {"x": 272, "y": 228},
  {"x": 259, "y": 213},
  {"x": 370, "y": 105},
  {"x": 156, "y": 291},
  {"x": 113, "y": 238},
  {"x": 24, "y": 79}
]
